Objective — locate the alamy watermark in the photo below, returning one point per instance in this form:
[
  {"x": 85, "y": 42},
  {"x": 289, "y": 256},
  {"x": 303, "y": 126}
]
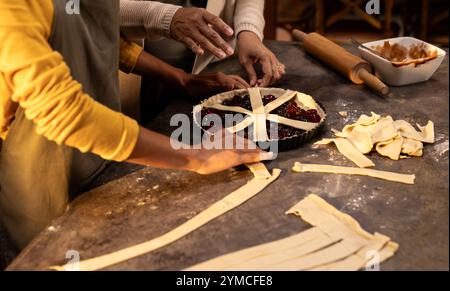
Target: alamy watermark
[
  {"x": 188, "y": 135},
  {"x": 373, "y": 7},
  {"x": 73, "y": 7},
  {"x": 73, "y": 263},
  {"x": 373, "y": 263}
]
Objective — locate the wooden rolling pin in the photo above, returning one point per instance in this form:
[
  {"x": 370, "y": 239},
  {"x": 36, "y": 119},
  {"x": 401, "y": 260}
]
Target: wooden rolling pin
[{"x": 338, "y": 58}]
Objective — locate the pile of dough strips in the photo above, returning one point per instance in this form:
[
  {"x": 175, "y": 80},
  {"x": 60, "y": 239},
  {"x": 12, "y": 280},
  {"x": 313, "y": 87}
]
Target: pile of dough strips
[
  {"x": 394, "y": 139},
  {"x": 336, "y": 242}
]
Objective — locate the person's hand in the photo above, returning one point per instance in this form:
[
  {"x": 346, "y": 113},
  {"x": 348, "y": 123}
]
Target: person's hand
[
  {"x": 212, "y": 83},
  {"x": 252, "y": 51},
  {"x": 244, "y": 151},
  {"x": 200, "y": 30}
]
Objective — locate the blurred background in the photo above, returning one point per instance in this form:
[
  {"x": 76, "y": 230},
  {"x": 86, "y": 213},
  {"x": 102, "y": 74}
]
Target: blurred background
[{"x": 341, "y": 19}]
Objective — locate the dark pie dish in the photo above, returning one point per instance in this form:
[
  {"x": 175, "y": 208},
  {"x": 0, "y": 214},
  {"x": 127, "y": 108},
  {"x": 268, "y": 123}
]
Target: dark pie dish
[{"x": 302, "y": 107}]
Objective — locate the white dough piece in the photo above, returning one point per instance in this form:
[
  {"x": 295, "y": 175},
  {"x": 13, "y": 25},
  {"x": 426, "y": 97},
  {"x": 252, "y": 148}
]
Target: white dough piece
[
  {"x": 348, "y": 150},
  {"x": 290, "y": 122},
  {"x": 412, "y": 147},
  {"x": 259, "y": 113},
  {"x": 363, "y": 120},
  {"x": 343, "y": 114},
  {"x": 288, "y": 95},
  {"x": 426, "y": 133},
  {"x": 259, "y": 170},
  {"x": 230, "y": 108},
  {"x": 389, "y": 176},
  {"x": 384, "y": 130},
  {"x": 233, "y": 200},
  {"x": 361, "y": 138},
  {"x": 391, "y": 148},
  {"x": 358, "y": 260}
]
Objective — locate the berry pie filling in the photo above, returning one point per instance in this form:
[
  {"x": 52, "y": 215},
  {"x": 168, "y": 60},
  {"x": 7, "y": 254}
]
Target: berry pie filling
[{"x": 289, "y": 110}]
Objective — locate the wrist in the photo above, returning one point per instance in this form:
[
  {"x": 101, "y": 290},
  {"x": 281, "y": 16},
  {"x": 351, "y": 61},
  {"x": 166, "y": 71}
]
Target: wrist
[
  {"x": 182, "y": 79},
  {"x": 248, "y": 33},
  {"x": 193, "y": 159}
]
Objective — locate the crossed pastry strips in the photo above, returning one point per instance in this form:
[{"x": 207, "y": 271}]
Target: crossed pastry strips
[{"x": 261, "y": 113}]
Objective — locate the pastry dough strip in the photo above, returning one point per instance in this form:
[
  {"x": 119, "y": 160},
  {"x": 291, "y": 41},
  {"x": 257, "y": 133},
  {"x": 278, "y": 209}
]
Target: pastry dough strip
[
  {"x": 288, "y": 95},
  {"x": 259, "y": 170},
  {"x": 389, "y": 176},
  {"x": 259, "y": 113},
  {"x": 229, "y": 260},
  {"x": 221, "y": 207},
  {"x": 358, "y": 260},
  {"x": 347, "y": 149},
  {"x": 290, "y": 122},
  {"x": 297, "y": 252}
]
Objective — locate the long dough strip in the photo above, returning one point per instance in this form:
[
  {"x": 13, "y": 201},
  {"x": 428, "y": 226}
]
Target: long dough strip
[
  {"x": 389, "y": 176},
  {"x": 259, "y": 113},
  {"x": 348, "y": 150},
  {"x": 237, "y": 109},
  {"x": 333, "y": 253},
  {"x": 227, "y": 261},
  {"x": 259, "y": 170},
  {"x": 281, "y": 258},
  {"x": 221, "y": 207},
  {"x": 288, "y": 95},
  {"x": 359, "y": 260},
  {"x": 242, "y": 125},
  {"x": 290, "y": 122}
]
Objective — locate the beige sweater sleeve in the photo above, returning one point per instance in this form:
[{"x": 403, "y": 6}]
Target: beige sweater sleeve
[
  {"x": 249, "y": 16},
  {"x": 145, "y": 19}
]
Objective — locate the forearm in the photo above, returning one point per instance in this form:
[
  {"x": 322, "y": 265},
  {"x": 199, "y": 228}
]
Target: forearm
[
  {"x": 154, "y": 68},
  {"x": 249, "y": 16},
  {"x": 146, "y": 19},
  {"x": 156, "y": 150}
]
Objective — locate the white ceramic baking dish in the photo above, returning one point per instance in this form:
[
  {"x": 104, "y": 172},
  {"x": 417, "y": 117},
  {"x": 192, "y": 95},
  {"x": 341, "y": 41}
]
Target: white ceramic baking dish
[{"x": 402, "y": 75}]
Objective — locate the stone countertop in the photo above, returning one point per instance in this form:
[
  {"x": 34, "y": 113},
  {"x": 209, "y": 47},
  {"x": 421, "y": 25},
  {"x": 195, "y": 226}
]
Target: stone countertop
[{"x": 133, "y": 208}]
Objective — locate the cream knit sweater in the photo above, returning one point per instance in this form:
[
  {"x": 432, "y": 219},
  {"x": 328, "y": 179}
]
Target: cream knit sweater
[{"x": 152, "y": 19}]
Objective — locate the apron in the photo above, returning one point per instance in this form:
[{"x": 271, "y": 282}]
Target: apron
[
  {"x": 38, "y": 178},
  {"x": 154, "y": 95}
]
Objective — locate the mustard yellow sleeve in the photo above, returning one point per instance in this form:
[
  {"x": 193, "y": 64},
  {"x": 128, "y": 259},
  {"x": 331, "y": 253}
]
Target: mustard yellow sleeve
[
  {"x": 129, "y": 55},
  {"x": 41, "y": 83}
]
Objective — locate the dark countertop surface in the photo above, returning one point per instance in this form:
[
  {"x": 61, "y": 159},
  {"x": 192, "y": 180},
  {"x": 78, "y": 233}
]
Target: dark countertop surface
[{"x": 137, "y": 207}]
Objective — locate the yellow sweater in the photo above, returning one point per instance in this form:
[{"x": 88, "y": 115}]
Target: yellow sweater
[{"x": 36, "y": 78}]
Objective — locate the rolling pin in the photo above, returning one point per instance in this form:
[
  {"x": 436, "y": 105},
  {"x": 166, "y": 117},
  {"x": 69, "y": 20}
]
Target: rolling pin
[{"x": 338, "y": 58}]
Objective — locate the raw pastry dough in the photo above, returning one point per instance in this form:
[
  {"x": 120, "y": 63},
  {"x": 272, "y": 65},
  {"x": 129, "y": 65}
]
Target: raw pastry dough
[
  {"x": 364, "y": 120},
  {"x": 412, "y": 147},
  {"x": 384, "y": 130},
  {"x": 426, "y": 133},
  {"x": 259, "y": 170},
  {"x": 348, "y": 150},
  {"x": 343, "y": 113},
  {"x": 335, "y": 242},
  {"x": 260, "y": 130},
  {"x": 228, "y": 203},
  {"x": 361, "y": 138},
  {"x": 389, "y": 176},
  {"x": 390, "y": 138},
  {"x": 391, "y": 148}
]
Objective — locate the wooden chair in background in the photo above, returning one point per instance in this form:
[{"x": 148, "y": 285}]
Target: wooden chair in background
[{"x": 355, "y": 8}]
